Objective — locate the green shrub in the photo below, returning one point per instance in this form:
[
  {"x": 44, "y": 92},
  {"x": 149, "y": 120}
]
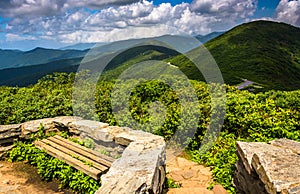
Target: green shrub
[{"x": 170, "y": 183}]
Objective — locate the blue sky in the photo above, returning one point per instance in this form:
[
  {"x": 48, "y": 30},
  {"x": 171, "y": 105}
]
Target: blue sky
[
  {"x": 157, "y": 2},
  {"x": 26, "y": 24}
]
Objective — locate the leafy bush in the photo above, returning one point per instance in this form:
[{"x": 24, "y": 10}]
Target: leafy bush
[
  {"x": 170, "y": 183},
  {"x": 50, "y": 97}
]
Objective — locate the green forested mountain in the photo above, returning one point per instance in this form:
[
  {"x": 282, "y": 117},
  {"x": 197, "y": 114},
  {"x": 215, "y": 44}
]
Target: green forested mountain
[
  {"x": 265, "y": 52},
  {"x": 16, "y": 58},
  {"x": 24, "y": 76},
  {"x": 27, "y": 75}
]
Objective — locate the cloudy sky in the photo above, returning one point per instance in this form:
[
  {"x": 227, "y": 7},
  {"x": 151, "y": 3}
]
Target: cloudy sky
[{"x": 26, "y": 24}]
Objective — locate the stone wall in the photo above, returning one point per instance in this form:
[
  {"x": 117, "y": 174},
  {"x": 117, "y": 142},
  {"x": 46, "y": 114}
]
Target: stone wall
[
  {"x": 139, "y": 169},
  {"x": 268, "y": 168}
]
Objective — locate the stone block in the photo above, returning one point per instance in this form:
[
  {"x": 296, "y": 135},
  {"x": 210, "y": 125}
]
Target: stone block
[
  {"x": 294, "y": 146},
  {"x": 102, "y": 135},
  {"x": 126, "y": 138},
  {"x": 139, "y": 170},
  {"x": 4, "y": 149},
  {"x": 9, "y": 132},
  {"x": 48, "y": 124},
  {"x": 276, "y": 166},
  {"x": 86, "y": 127}
]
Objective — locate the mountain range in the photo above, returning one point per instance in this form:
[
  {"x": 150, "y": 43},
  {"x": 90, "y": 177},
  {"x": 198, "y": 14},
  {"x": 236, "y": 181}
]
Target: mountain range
[
  {"x": 18, "y": 68},
  {"x": 266, "y": 53},
  {"x": 16, "y": 58}
]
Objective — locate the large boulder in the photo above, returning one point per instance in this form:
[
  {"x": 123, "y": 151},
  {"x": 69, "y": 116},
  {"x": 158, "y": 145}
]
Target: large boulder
[
  {"x": 141, "y": 169},
  {"x": 268, "y": 168}
]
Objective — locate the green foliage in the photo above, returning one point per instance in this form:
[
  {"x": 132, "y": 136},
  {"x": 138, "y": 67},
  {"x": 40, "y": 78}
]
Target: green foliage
[
  {"x": 50, "y": 97},
  {"x": 76, "y": 140},
  {"x": 104, "y": 152},
  {"x": 250, "y": 117},
  {"x": 89, "y": 143},
  {"x": 170, "y": 183},
  {"x": 133, "y": 56},
  {"x": 51, "y": 168}
]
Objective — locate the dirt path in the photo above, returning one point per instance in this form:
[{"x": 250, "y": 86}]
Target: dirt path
[
  {"x": 20, "y": 178},
  {"x": 194, "y": 178}
]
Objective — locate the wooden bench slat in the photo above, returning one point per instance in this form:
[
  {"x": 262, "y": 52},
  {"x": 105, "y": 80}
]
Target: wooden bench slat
[
  {"x": 91, "y": 171},
  {"x": 106, "y": 160},
  {"x": 73, "y": 154},
  {"x": 80, "y": 151}
]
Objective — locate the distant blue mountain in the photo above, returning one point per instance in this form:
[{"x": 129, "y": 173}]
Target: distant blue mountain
[
  {"x": 205, "y": 38},
  {"x": 82, "y": 46},
  {"x": 26, "y": 75},
  {"x": 181, "y": 43},
  {"x": 16, "y": 58}
]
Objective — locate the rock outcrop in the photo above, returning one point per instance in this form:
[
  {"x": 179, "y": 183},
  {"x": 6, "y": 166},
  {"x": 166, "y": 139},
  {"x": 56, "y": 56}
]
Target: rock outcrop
[
  {"x": 140, "y": 167},
  {"x": 268, "y": 168},
  {"x": 11, "y": 133}
]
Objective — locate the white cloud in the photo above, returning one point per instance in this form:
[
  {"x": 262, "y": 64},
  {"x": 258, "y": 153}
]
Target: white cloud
[
  {"x": 234, "y": 9},
  {"x": 96, "y": 4},
  {"x": 193, "y": 23},
  {"x": 289, "y": 12},
  {"x": 30, "y": 8},
  {"x": 65, "y": 21},
  {"x": 16, "y": 37},
  {"x": 39, "y": 8},
  {"x": 116, "y": 34},
  {"x": 223, "y": 14},
  {"x": 263, "y": 18}
]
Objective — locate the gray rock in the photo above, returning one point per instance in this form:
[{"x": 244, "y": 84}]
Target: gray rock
[
  {"x": 86, "y": 128},
  {"x": 9, "y": 132},
  {"x": 246, "y": 151},
  {"x": 102, "y": 135},
  {"x": 115, "y": 130},
  {"x": 287, "y": 144},
  {"x": 277, "y": 168},
  {"x": 126, "y": 138},
  {"x": 276, "y": 165},
  {"x": 8, "y": 140},
  {"x": 3, "y": 150},
  {"x": 139, "y": 170},
  {"x": 48, "y": 124}
]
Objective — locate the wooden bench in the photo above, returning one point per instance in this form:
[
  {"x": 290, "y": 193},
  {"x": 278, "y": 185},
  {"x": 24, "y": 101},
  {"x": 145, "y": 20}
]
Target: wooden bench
[{"x": 86, "y": 160}]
